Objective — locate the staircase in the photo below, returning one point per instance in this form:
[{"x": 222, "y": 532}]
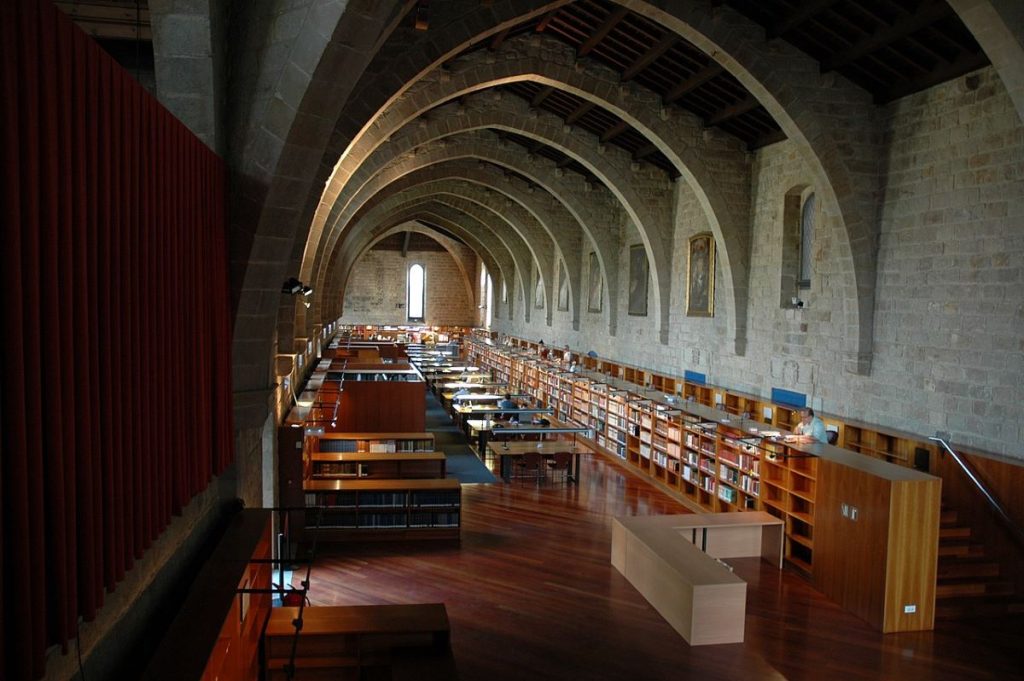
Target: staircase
[{"x": 969, "y": 581}]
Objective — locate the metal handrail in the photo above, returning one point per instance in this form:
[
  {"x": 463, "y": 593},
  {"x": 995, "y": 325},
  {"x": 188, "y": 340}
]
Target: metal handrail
[{"x": 1015, "y": 530}]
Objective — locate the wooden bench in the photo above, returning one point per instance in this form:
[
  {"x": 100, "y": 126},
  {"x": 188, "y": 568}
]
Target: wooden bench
[{"x": 337, "y": 641}]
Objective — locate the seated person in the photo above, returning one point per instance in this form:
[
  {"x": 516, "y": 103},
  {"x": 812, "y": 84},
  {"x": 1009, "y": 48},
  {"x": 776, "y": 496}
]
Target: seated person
[
  {"x": 507, "y": 403},
  {"x": 811, "y": 428}
]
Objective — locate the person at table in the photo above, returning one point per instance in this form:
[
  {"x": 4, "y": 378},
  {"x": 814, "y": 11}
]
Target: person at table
[
  {"x": 506, "y": 403},
  {"x": 811, "y": 428}
]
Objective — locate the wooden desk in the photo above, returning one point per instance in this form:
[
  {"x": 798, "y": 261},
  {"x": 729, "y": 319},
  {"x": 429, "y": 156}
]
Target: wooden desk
[
  {"x": 506, "y": 452},
  {"x": 694, "y": 591}
]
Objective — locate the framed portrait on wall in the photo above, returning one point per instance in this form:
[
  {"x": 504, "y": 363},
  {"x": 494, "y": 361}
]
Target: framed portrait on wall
[
  {"x": 595, "y": 289},
  {"x": 700, "y": 276},
  {"x": 638, "y": 275},
  {"x": 563, "y": 288}
]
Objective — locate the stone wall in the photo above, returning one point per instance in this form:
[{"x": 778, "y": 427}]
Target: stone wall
[
  {"x": 949, "y": 326},
  {"x": 376, "y": 289}
]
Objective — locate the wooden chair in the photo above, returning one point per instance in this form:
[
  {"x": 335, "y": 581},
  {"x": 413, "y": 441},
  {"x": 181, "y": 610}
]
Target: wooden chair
[
  {"x": 558, "y": 466},
  {"x": 529, "y": 465}
]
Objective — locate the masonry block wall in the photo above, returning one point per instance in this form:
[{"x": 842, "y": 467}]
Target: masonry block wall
[
  {"x": 949, "y": 325},
  {"x": 376, "y": 289}
]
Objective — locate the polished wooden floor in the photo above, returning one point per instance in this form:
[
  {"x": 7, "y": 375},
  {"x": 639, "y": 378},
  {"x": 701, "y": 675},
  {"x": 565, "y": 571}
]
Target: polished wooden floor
[{"x": 531, "y": 594}]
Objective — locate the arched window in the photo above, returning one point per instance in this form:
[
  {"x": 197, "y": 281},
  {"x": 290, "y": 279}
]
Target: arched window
[
  {"x": 416, "y": 291},
  {"x": 807, "y": 215}
]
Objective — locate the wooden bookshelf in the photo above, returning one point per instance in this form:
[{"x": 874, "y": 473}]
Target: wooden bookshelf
[
  {"x": 340, "y": 510},
  {"x": 722, "y": 451},
  {"x": 373, "y": 465},
  {"x": 374, "y": 442}
]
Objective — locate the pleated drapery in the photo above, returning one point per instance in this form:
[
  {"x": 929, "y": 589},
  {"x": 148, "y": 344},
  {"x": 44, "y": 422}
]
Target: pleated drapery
[{"x": 115, "y": 390}]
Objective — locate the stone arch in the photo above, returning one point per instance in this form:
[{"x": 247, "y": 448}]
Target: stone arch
[
  {"x": 723, "y": 195},
  {"x": 284, "y": 111},
  {"x": 517, "y": 208},
  {"x": 998, "y": 26},
  {"x": 521, "y": 244},
  {"x": 647, "y": 204},
  {"x": 594, "y": 211},
  {"x": 840, "y": 149},
  {"x": 788, "y": 83},
  {"x": 571, "y": 211},
  {"x": 494, "y": 258},
  {"x": 445, "y": 242}
]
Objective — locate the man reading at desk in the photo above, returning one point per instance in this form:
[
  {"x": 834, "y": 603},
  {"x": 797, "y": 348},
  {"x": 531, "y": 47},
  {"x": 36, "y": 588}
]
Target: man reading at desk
[
  {"x": 506, "y": 403},
  {"x": 811, "y": 428}
]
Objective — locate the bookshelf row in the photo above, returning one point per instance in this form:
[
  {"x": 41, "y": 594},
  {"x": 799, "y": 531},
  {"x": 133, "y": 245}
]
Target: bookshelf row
[
  {"x": 367, "y": 486},
  {"x": 383, "y": 509},
  {"x": 714, "y": 465}
]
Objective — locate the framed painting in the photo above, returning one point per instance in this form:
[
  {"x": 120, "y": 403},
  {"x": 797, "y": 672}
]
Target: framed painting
[
  {"x": 595, "y": 289},
  {"x": 700, "y": 276},
  {"x": 563, "y": 288},
  {"x": 638, "y": 276}
]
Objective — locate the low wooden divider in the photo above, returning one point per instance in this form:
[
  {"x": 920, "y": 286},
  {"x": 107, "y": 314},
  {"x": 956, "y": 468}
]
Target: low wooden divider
[
  {"x": 675, "y": 562},
  {"x": 337, "y": 642}
]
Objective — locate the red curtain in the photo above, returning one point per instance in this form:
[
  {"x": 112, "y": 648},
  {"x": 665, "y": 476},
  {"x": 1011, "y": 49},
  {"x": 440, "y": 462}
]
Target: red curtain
[{"x": 115, "y": 391}]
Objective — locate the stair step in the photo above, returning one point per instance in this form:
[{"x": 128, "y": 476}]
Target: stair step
[
  {"x": 976, "y": 606},
  {"x": 968, "y": 586},
  {"x": 967, "y": 566},
  {"x": 960, "y": 548},
  {"x": 948, "y": 516},
  {"x": 955, "y": 532}
]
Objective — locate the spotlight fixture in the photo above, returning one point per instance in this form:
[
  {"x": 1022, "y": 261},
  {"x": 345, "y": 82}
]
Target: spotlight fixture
[{"x": 294, "y": 287}]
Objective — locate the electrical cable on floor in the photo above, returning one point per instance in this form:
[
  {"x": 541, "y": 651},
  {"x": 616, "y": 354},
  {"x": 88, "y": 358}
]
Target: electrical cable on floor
[{"x": 78, "y": 647}]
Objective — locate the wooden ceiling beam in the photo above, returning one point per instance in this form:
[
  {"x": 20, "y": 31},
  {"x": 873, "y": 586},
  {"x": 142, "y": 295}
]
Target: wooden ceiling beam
[
  {"x": 499, "y": 39},
  {"x": 536, "y": 147},
  {"x": 643, "y": 152},
  {"x": 602, "y": 32},
  {"x": 541, "y": 95},
  {"x": 768, "y": 138},
  {"x": 928, "y": 13},
  {"x": 580, "y": 112},
  {"x": 542, "y": 25},
  {"x": 649, "y": 57},
  {"x": 965, "y": 63},
  {"x": 738, "y": 109},
  {"x": 614, "y": 131},
  {"x": 807, "y": 11},
  {"x": 696, "y": 80}
]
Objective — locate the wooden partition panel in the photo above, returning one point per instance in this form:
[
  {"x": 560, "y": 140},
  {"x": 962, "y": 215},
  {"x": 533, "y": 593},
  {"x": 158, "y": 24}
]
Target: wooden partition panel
[
  {"x": 876, "y": 545},
  {"x": 850, "y": 555},
  {"x": 382, "y": 406},
  {"x": 912, "y": 555}
]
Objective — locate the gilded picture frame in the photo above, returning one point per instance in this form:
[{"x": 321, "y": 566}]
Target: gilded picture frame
[
  {"x": 638, "y": 277},
  {"x": 700, "y": 276},
  {"x": 596, "y": 288}
]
